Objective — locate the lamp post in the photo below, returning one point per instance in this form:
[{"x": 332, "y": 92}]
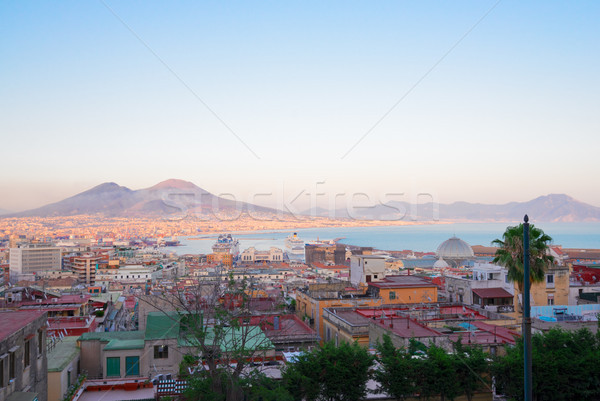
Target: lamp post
[{"x": 526, "y": 313}]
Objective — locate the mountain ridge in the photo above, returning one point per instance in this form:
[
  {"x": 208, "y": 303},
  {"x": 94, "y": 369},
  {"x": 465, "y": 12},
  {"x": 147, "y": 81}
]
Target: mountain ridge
[
  {"x": 166, "y": 199},
  {"x": 547, "y": 208},
  {"x": 174, "y": 197}
]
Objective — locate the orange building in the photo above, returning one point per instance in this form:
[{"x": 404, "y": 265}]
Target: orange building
[
  {"x": 392, "y": 290},
  {"x": 220, "y": 257},
  {"x": 404, "y": 290}
]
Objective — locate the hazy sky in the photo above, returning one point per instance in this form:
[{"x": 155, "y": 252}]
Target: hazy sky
[{"x": 498, "y": 101}]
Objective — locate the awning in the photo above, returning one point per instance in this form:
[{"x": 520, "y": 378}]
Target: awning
[{"x": 487, "y": 293}]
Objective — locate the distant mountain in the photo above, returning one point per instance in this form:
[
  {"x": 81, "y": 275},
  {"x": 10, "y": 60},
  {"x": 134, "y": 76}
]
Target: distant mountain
[
  {"x": 549, "y": 208},
  {"x": 171, "y": 198},
  {"x": 2, "y": 211}
]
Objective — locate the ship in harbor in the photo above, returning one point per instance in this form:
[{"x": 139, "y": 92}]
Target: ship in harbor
[
  {"x": 227, "y": 244},
  {"x": 294, "y": 244}
]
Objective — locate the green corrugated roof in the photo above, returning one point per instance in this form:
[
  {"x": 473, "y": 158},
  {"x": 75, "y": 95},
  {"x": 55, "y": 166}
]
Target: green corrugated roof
[
  {"x": 252, "y": 338},
  {"x": 162, "y": 325},
  {"x": 112, "y": 335},
  {"x": 117, "y": 344},
  {"x": 62, "y": 354}
]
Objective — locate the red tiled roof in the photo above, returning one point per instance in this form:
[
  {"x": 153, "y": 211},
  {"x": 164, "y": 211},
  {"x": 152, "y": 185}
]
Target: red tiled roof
[
  {"x": 323, "y": 266},
  {"x": 492, "y": 292},
  {"x": 13, "y": 321}
]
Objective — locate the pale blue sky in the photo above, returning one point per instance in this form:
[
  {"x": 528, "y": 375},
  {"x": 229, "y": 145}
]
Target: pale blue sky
[{"x": 511, "y": 113}]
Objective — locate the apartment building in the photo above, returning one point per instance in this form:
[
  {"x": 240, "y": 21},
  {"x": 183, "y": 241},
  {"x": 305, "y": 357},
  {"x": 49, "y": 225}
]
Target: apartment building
[{"x": 31, "y": 259}]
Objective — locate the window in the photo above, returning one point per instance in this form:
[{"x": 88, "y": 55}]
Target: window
[
  {"x": 392, "y": 294},
  {"x": 1, "y": 373},
  {"x": 550, "y": 278},
  {"x": 27, "y": 355},
  {"x": 132, "y": 365},
  {"x": 550, "y": 300},
  {"x": 40, "y": 342},
  {"x": 11, "y": 366},
  {"x": 113, "y": 367},
  {"x": 161, "y": 351}
]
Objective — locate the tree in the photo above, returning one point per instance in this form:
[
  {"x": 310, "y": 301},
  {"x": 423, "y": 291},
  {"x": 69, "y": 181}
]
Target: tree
[
  {"x": 437, "y": 374},
  {"x": 511, "y": 249},
  {"x": 212, "y": 325},
  {"x": 330, "y": 373},
  {"x": 472, "y": 368},
  {"x": 395, "y": 374},
  {"x": 564, "y": 367}
]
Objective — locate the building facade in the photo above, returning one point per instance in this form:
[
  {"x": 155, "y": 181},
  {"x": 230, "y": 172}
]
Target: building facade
[
  {"x": 32, "y": 259},
  {"x": 365, "y": 269},
  {"x": 23, "y": 362},
  {"x": 252, "y": 255}
]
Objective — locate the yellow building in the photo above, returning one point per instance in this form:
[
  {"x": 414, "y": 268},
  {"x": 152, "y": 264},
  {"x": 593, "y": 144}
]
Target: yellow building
[
  {"x": 393, "y": 290},
  {"x": 311, "y": 309},
  {"x": 63, "y": 360},
  {"x": 554, "y": 290}
]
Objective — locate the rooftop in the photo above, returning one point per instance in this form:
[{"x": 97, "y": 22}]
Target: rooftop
[
  {"x": 402, "y": 282},
  {"x": 160, "y": 325},
  {"x": 13, "y": 321},
  {"x": 484, "y": 333},
  {"x": 406, "y": 328},
  {"x": 63, "y": 352},
  {"x": 112, "y": 335},
  {"x": 495, "y": 292}
]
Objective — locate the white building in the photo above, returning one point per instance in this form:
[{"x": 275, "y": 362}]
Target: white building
[
  {"x": 366, "y": 268},
  {"x": 490, "y": 278},
  {"x": 130, "y": 275},
  {"x": 252, "y": 255},
  {"x": 31, "y": 259}
]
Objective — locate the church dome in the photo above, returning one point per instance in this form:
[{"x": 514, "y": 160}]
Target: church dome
[
  {"x": 455, "y": 248},
  {"x": 440, "y": 264}
]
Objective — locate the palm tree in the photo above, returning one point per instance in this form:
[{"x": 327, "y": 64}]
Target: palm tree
[{"x": 510, "y": 254}]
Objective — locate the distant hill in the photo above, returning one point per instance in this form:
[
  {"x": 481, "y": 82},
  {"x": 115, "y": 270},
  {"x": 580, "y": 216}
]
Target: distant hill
[
  {"x": 171, "y": 198},
  {"x": 2, "y": 211},
  {"x": 177, "y": 198},
  {"x": 549, "y": 208}
]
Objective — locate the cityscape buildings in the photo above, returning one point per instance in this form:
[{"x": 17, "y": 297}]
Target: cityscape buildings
[{"x": 104, "y": 302}]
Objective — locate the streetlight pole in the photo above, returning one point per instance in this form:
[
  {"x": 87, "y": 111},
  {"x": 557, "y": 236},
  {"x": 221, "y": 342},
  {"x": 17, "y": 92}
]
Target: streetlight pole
[{"x": 527, "y": 313}]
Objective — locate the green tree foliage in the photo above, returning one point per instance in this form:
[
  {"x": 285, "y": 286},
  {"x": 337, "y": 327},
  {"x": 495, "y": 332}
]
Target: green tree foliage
[
  {"x": 437, "y": 374},
  {"x": 395, "y": 373},
  {"x": 472, "y": 369},
  {"x": 434, "y": 374},
  {"x": 253, "y": 387},
  {"x": 565, "y": 367},
  {"x": 259, "y": 387},
  {"x": 330, "y": 373},
  {"x": 511, "y": 251}
]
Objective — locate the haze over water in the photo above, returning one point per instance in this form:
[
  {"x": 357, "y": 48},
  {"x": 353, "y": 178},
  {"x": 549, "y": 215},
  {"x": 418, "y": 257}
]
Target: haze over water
[{"x": 422, "y": 238}]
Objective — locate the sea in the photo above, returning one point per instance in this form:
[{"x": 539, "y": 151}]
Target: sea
[{"x": 419, "y": 238}]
